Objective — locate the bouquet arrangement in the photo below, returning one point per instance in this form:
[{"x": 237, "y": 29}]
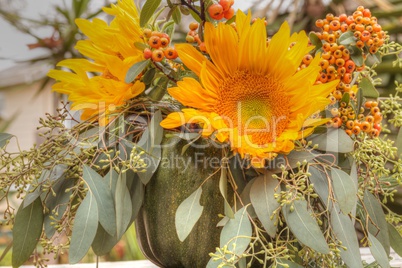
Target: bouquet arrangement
[{"x": 233, "y": 148}]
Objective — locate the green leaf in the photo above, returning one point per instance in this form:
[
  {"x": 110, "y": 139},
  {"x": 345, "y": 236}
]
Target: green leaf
[
  {"x": 150, "y": 143},
  {"x": 111, "y": 179},
  {"x": 345, "y": 232},
  {"x": 315, "y": 40},
  {"x": 58, "y": 203},
  {"x": 377, "y": 215},
  {"x": 237, "y": 172},
  {"x": 176, "y": 15},
  {"x": 148, "y": 76},
  {"x": 262, "y": 198},
  {"x": 136, "y": 189},
  {"x": 148, "y": 10},
  {"x": 345, "y": 190},
  {"x": 356, "y": 55},
  {"x": 320, "y": 183},
  {"x": 84, "y": 230},
  {"x": 398, "y": 142},
  {"x": 103, "y": 242},
  {"x": 187, "y": 214},
  {"x": 345, "y": 97},
  {"x": 184, "y": 10},
  {"x": 347, "y": 38},
  {"x": 236, "y": 234},
  {"x": 395, "y": 239},
  {"x": 135, "y": 70},
  {"x": 360, "y": 99},
  {"x": 141, "y": 46},
  {"x": 304, "y": 226},
  {"x": 123, "y": 206},
  {"x": 26, "y": 231},
  {"x": 155, "y": 130},
  {"x": 335, "y": 140},
  {"x": 223, "y": 187},
  {"x": 4, "y": 138},
  {"x": 378, "y": 251},
  {"x": 368, "y": 89},
  {"x": 104, "y": 199}
]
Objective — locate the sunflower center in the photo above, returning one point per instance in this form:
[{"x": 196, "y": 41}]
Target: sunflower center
[{"x": 255, "y": 104}]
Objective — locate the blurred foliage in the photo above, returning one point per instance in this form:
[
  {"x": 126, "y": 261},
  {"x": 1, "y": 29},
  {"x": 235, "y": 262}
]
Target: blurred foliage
[{"x": 60, "y": 44}]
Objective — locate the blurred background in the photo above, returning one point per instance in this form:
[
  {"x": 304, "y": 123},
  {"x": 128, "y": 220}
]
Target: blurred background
[{"x": 35, "y": 35}]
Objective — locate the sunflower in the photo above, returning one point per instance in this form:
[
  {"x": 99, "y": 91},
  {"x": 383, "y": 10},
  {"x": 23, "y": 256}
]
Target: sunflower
[
  {"x": 111, "y": 52},
  {"x": 251, "y": 92}
]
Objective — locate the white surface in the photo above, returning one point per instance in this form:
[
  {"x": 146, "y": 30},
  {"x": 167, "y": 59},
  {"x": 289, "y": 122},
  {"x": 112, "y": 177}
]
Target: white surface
[{"x": 365, "y": 252}]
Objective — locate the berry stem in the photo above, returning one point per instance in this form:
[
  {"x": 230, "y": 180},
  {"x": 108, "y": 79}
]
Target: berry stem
[{"x": 160, "y": 69}]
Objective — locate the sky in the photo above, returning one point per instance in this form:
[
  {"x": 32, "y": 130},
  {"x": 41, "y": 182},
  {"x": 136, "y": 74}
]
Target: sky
[{"x": 13, "y": 44}]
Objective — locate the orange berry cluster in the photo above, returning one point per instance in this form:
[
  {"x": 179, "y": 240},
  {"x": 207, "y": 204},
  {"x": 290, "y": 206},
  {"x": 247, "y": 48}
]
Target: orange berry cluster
[
  {"x": 193, "y": 37},
  {"x": 367, "y": 32},
  {"x": 223, "y": 9},
  {"x": 158, "y": 46},
  {"x": 364, "y": 34},
  {"x": 345, "y": 116}
]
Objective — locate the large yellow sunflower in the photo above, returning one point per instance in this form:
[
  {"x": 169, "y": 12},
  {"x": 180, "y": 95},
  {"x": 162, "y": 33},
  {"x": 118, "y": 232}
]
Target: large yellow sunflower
[
  {"x": 111, "y": 51},
  {"x": 250, "y": 92}
]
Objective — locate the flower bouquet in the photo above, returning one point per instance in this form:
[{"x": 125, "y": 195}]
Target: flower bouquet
[{"x": 231, "y": 148}]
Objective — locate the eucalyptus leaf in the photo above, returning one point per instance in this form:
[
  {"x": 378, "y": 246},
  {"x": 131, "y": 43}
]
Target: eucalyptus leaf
[
  {"x": 290, "y": 161},
  {"x": 123, "y": 206},
  {"x": 35, "y": 191},
  {"x": 26, "y": 231},
  {"x": 236, "y": 234},
  {"x": 374, "y": 209},
  {"x": 395, "y": 239},
  {"x": 135, "y": 70},
  {"x": 304, "y": 226},
  {"x": 368, "y": 89},
  {"x": 4, "y": 138},
  {"x": 320, "y": 183},
  {"x": 345, "y": 190},
  {"x": 136, "y": 189},
  {"x": 237, "y": 172},
  {"x": 150, "y": 143},
  {"x": 111, "y": 179},
  {"x": 148, "y": 10},
  {"x": 84, "y": 230},
  {"x": 378, "y": 251},
  {"x": 245, "y": 198},
  {"x": 214, "y": 263},
  {"x": 335, "y": 140},
  {"x": 104, "y": 199},
  {"x": 223, "y": 187},
  {"x": 103, "y": 242},
  {"x": 345, "y": 232},
  {"x": 187, "y": 214},
  {"x": 263, "y": 200}
]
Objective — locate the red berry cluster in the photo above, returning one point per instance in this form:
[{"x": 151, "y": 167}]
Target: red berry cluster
[
  {"x": 158, "y": 46},
  {"x": 223, "y": 9}
]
